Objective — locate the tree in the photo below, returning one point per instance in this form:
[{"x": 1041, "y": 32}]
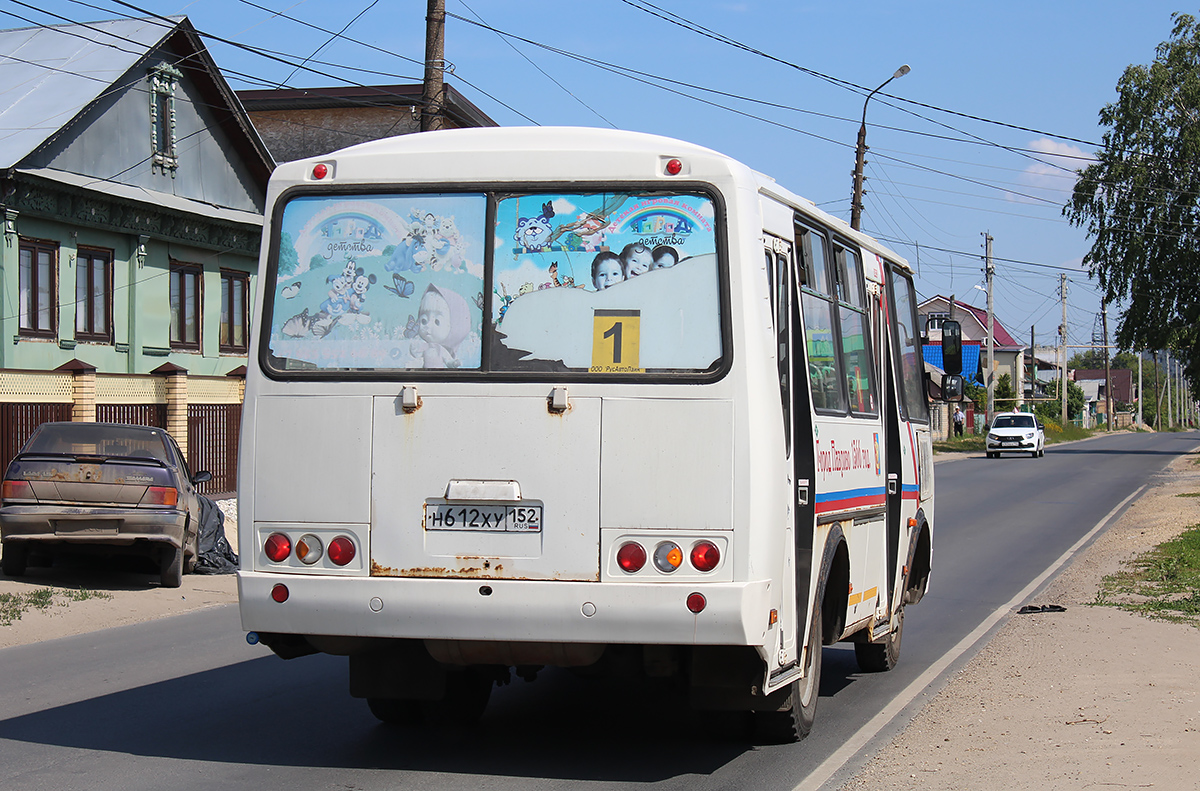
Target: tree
[
  {"x": 1052, "y": 410},
  {"x": 1140, "y": 201},
  {"x": 1005, "y": 395}
]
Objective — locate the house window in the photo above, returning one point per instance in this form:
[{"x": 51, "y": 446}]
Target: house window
[
  {"x": 185, "y": 305},
  {"x": 93, "y": 295},
  {"x": 37, "y": 288},
  {"x": 163, "y": 82},
  {"x": 235, "y": 289},
  {"x": 934, "y": 321}
]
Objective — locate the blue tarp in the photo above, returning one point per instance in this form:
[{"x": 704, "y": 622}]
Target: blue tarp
[{"x": 970, "y": 351}]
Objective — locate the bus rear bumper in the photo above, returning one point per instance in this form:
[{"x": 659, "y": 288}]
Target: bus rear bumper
[{"x": 734, "y": 613}]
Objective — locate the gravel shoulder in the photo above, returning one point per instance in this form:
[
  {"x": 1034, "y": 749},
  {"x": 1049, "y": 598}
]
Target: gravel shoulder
[{"x": 1093, "y": 697}]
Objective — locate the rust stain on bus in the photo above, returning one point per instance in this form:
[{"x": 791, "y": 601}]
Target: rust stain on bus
[{"x": 471, "y": 572}]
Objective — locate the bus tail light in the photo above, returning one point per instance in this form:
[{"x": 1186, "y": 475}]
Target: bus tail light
[
  {"x": 668, "y": 557},
  {"x": 280, "y": 593},
  {"x": 277, "y": 547},
  {"x": 631, "y": 557},
  {"x": 696, "y": 603},
  {"x": 309, "y": 549},
  {"x": 705, "y": 556},
  {"x": 341, "y": 550}
]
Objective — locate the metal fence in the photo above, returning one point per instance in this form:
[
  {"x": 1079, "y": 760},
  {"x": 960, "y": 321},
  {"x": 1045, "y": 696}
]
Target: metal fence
[
  {"x": 213, "y": 431},
  {"x": 133, "y": 414},
  {"x": 17, "y": 422}
]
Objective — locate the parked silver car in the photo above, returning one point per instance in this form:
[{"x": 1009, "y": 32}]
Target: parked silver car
[
  {"x": 101, "y": 487},
  {"x": 1016, "y": 432}
]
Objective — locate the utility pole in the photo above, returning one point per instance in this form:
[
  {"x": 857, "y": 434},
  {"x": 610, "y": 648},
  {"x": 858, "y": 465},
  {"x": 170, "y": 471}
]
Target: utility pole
[
  {"x": 860, "y": 153},
  {"x": 1140, "y": 391},
  {"x": 434, "y": 94},
  {"x": 1108, "y": 415},
  {"x": 989, "y": 269},
  {"x": 1157, "y": 396},
  {"x": 1032, "y": 365},
  {"x": 1062, "y": 346}
]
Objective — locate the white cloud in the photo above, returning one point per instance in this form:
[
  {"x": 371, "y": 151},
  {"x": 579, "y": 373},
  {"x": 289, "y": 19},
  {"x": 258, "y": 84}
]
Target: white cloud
[{"x": 1053, "y": 176}]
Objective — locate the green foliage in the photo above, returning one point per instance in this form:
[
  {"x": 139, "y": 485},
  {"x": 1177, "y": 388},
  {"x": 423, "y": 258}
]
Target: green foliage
[
  {"x": 1051, "y": 411},
  {"x": 14, "y": 605},
  {"x": 1162, "y": 583},
  {"x": 1140, "y": 201},
  {"x": 1005, "y": 394}
]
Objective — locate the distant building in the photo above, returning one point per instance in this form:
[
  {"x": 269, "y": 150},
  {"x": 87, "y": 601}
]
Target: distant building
[
  {"x": 1010, "y": 354},
  {"x": 133, "y": 190},
  {"x": 297, "y": 123}
]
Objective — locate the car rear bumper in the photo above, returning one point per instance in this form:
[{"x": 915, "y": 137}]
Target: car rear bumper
[
  {"x": 736, "y": 613},
  {"x": 116, "y": 527}
]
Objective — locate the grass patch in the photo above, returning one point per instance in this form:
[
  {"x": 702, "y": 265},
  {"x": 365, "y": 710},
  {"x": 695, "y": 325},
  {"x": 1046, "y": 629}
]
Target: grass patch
[
  {"x": 1188, "y": 494},
  {"x": 967, "y": 442},
  {"x": 14, "y": 605},
  {"x": 1162, "y": 583}
]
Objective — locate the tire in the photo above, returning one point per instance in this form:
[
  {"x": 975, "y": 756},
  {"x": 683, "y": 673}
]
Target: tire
[
  {"x": 170, "y": 565},
  {"x": 467, "y": 695},
  {"x": 14, "y": 559},
  {"x": 395, "y": 712},
  {"x": 881, "y": 657},
  {"x": 793, "y": 722}
]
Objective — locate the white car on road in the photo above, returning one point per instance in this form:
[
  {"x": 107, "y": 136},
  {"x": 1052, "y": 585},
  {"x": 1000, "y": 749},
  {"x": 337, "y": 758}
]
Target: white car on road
[{"x": 1016, "y": 432}]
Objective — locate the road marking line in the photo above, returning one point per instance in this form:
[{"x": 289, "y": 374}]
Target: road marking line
[{"x": 863, "y": 735}]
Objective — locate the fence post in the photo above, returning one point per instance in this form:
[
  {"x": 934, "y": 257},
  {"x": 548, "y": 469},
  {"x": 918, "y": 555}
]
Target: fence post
[
  {"x": 177, "y": 403},
  {"x": 83, "y": 390}
]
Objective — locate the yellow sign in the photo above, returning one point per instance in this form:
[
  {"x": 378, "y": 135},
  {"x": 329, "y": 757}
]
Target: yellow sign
[{"x": 616, "y": 339}]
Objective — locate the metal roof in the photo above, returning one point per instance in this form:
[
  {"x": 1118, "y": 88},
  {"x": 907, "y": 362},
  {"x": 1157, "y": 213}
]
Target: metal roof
[
  {"x": 971, "y": 371},
  {"x": 48, "y": 75}
]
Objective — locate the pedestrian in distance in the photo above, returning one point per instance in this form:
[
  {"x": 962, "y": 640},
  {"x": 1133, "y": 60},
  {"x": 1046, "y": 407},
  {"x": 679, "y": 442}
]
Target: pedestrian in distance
[{"x": 959, "y": 420}]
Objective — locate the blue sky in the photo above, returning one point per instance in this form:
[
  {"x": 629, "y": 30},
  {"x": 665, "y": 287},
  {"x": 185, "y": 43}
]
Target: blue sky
[{"x": 934, "y": 178}]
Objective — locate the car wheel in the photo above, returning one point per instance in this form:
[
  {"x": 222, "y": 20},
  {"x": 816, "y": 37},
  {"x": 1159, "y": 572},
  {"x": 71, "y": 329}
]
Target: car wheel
[
  {"x": 14, "y": 559},
  {"x": 170, "y": 565},
  {"x": 881, "y": 657}
]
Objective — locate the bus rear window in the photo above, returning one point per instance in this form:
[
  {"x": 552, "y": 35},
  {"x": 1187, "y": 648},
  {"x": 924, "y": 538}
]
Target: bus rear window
[
  {"x": 605, "y": 283},
  {"x": 587, "y": 283}
]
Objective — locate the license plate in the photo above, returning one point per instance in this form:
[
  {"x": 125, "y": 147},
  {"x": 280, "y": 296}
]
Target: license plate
[
  {"x": 489, "y": 517},
  {"x": 1008, "y": 444}
]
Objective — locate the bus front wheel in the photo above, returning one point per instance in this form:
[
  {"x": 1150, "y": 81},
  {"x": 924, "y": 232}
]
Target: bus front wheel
[{"x": 794, "y": 720}]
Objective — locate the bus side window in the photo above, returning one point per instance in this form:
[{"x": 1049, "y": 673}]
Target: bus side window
[
  {"x": 855, "y": 332},
  {"x": 817, "y": 302}
]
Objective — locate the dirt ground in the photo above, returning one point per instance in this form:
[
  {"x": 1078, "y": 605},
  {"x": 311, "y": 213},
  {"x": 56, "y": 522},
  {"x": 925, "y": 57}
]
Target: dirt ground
[
  {"x": 1090, "y": 698},
  {"x": 1084, "y": 699}
]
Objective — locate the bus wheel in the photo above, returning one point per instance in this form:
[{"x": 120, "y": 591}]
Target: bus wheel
[
  {"x": 793, "y": 722},
  {"x": 394, "y": 711},
  {"x": 467, "y": 695},
  {"x": 879, "y": 657}
]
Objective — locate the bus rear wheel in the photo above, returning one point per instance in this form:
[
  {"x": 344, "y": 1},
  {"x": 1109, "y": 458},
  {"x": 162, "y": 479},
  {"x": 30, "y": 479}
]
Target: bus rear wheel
[
  {"x": 794, "y": 720},
  {"x": 467, "y": 695},
  {"x": 881, "y": 657}
]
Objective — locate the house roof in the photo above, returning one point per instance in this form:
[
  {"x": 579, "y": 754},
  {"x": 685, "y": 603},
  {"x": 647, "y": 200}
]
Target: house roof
[
  {"x": 932, "y": 353},
  {"x": 458, "y": 107},
  {"x": 1003, "y": 339},
  {"x": 50, "y": 75}
]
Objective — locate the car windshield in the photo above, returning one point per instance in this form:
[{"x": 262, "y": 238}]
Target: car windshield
[
  {"x": 98, "y": 439},
  {"x": 1014, "y": 421}
]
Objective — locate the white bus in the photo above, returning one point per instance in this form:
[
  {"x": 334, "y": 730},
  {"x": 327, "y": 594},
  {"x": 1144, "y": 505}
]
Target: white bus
[{"x": 577, "y": 398}]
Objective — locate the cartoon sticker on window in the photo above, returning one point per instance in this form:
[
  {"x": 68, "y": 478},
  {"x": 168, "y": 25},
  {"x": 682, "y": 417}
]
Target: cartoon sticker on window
[
  {"x": 380, "y": 282},
  {"x": 563, "y": 261}
]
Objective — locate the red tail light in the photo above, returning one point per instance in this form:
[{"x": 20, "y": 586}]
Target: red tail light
[
  {"x": 280, "y": 593},
  {"x": 160, "y": 495},
  {"x": 696, "y": 603},
  {"x": 341, "y": 550},
  {"x": 631, "y": 557},
  {"x": 278, "y": 547},
  {"x": 17, "y": 490},
  {"x": 705, "y": 556}
]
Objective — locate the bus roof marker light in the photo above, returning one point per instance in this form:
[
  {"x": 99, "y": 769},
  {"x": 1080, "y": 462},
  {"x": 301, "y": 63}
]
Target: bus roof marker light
[
  {"x": 674, "y": 167},
  {"x": 320, "y": 171}
]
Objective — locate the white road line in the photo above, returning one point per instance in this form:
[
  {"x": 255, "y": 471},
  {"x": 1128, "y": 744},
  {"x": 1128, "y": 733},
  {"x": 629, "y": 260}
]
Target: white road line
[{"x": 833, "y": 763}]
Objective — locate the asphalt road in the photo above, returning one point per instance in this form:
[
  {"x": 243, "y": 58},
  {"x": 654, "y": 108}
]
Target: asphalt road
[{"x": 184, "y": 703}]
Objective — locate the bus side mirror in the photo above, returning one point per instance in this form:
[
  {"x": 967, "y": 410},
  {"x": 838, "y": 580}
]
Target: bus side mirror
[
  {"x": 952, "y": 387},
  {"x": 951, "y": 347}
]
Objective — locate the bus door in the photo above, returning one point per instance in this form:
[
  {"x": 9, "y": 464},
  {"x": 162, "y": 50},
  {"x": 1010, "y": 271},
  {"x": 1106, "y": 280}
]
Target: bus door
[
  {"x": 797, "y": 417},
  {"x": 893, "y": 463}
]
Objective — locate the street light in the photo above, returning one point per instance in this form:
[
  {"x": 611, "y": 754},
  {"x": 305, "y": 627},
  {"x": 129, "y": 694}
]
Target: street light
[{"x": 860, "y": 157}]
